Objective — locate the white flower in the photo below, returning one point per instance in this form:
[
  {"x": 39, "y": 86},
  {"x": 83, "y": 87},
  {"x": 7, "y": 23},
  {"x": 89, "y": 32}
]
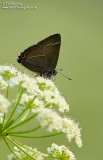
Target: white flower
[
  {"x": 72, "y": 131},
  {"x": 32, "y": 152},
  {"x": 34, "y": 102},
  {"x": 15, "y": 81},
  {"x": 8, "y": 71},
  {"x": 25, "y": 82},
  {"x": 3, "y": 83},
  {"x": 11, "y": 157},
  {"x": 49, "y": 119},
  {"x": 41, "y": 96},
  {"x": 47, "y": 83},
  {"x": 51, "y": 95},
  {"x": 28, "y": 83},
  {"x": 60, "y": 101},
  {"x": 60, "y": 152},
  {"x": 39, "y": 103},
  {"x": 25, "y": 99},
  {"x": 47, "y": 95},
  {"x": 4, "y": 104},
  {"x": 44, "y": 89}
]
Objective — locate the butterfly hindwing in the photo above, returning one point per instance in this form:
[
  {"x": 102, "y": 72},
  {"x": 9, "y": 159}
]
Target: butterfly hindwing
[{"x": 32, "y": 58}]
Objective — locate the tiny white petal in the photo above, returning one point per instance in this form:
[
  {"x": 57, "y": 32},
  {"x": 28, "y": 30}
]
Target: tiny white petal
[
  {"x": 4, "y": 104},
  {"x": 8, "y": 70},
  {"x": 3, "y": 83},
  {"x": 72, "y": 131},
  {"x": 49, "y": 119}
]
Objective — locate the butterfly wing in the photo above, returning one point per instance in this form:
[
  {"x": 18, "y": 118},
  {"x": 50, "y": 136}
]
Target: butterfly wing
[
  {"x": 50, "y": 48},
  {"x": 32, "y": 58},
  {"x": 43, "y": 56}
]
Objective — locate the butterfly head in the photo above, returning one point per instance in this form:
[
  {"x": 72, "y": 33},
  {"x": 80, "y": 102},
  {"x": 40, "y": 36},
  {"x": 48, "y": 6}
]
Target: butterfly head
[{"x": 21, "y": 58}]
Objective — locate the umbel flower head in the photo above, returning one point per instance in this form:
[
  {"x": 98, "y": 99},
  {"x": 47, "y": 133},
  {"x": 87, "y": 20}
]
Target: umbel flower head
[
  {"x": 32, "y": 152},
  {"x": 60, "y": 152},
  {"x": 43, "y": 91},
  {"x": 24, "y": 99}
]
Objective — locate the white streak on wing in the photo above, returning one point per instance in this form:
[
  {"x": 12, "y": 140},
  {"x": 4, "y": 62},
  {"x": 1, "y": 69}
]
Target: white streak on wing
[
  {"x": 52, "y": 44},
  {"x": 36, "y": 56}
]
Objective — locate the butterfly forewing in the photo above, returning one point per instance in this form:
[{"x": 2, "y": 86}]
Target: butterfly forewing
[{"x": 51, "y": 47}]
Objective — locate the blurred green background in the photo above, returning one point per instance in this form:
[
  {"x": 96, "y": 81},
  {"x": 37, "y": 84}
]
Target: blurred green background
[{"x": 80, "y": 23}]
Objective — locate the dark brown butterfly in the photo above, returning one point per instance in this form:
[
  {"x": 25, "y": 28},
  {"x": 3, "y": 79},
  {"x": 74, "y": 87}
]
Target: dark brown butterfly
[{"x": 42, "y": 58}]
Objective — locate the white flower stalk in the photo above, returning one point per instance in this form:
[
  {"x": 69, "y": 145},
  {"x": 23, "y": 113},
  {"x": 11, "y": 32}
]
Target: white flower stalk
[
  {"x": 72, "y": 131},
  {"x": 4, "y": 104},
  {"x": 26, "y": 153},
  {"x": 60, "y": 152}
]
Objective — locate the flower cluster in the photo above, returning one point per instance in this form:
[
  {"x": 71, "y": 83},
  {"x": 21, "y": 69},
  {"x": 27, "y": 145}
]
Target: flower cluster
[
  {"x": 72, "y": 130},
  {"x": 26, "y": 153},
  {"x": 60, "y": 152},
  {"x": 44, "y": 90},
  {"x": 34, "y": 98}
]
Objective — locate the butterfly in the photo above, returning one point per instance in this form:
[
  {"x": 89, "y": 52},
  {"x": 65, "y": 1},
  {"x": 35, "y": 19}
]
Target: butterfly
[{"x": 42, "y": 57}]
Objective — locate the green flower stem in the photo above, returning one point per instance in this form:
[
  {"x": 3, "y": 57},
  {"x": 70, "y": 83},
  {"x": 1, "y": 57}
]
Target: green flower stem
[
  {"x": 3, "y": 119},
  {"x": 1, "y": 126},
  {"x": 45, "y": 136},
  {"x": 22, "y": 123},
  {"x": 25, "y": 115},
  {"x": 50, "y": 156},
  {"x": 7, "y": 91},
  {"x": 25, "y": 109},
  {"x": 26, "y": 147},
  {"x": 9, "y": 124},
  {"x": 11, "y": 149},
  {"x": 16, "y": 144},
  {"x": 15, "y": 107},
  {"x": 27, "y": 131}
]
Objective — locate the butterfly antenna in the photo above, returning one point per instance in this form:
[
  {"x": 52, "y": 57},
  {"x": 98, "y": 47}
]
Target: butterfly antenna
[{"x": 64, "y": 76}]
